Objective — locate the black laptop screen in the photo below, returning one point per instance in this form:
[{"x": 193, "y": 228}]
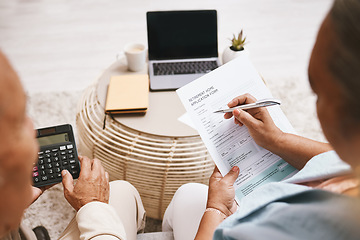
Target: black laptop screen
[{"x": 182, "y": 34}]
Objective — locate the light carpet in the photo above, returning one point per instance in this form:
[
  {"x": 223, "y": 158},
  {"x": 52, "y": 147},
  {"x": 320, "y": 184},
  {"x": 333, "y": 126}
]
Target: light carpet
[{"x": 52, "y": 210}]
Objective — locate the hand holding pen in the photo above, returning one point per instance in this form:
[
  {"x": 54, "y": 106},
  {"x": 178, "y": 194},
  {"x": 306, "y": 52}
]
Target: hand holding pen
[{"x": 256, "y": 118}]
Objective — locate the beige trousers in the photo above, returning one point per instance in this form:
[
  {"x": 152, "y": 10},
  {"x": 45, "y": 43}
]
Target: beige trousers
[
  {"x": 184, "y": 213},
  {"x": 127, "y": 202}
]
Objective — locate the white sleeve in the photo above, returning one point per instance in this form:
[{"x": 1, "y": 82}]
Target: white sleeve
[{"x": 97, "y": 221}]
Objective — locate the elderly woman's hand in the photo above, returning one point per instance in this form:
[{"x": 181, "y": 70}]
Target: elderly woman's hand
[
  {"x": 92, "y": 185},
  {"x": 258, "y": 121},
  {"x": 221, "y": 194}
]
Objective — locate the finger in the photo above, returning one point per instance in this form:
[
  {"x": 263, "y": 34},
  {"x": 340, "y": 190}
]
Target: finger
[
  {"x": 85, "y": 165},
  {"x": 107, "y": 176},
  {"x": 107, "y": 180},
  {"x": 228, "y": 115},
  {"x": 261, "y": 113},
  {"x": 245, "y": 118},
  {"x": 232, "y": 175},
  {"x": 98, "y": 170},
  {"x": 216, "y": 174},
  {"x": 96, "y": 166},
  {"x": 67, "y": 181},
  {"x": 101, "y": 169},
  {"x": 236, "y": 121},
  {"x": 216, "y": 170},
  {"x": 47, "y": 187},
  {"x": 242, "y": 99},
  {"x": 236, "y": 101}
]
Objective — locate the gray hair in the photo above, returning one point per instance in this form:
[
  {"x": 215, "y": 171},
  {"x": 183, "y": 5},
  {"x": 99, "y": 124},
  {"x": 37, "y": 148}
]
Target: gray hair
[{"x": 345, "y": 62}]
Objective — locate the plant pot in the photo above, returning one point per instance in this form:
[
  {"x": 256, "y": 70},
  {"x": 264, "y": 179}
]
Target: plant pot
[{"x": 229, "y": 54}]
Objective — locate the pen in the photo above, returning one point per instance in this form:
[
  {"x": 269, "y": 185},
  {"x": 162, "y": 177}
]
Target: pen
[{"x": 260, "y": 103}]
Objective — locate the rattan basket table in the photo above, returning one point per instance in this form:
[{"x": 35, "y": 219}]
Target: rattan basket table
[{"x": 154, "y": 152}]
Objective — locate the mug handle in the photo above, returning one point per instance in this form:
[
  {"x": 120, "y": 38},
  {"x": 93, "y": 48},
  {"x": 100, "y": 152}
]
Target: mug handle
[{"x": 120, "y": 55}]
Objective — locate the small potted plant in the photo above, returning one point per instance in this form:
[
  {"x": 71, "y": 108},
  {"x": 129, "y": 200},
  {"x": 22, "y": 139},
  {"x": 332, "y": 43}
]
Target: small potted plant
[{"x": 236, "y": 48}]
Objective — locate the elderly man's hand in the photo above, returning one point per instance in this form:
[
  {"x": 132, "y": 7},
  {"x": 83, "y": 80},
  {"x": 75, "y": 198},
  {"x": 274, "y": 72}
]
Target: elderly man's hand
[{"x": 92, "y": 184}]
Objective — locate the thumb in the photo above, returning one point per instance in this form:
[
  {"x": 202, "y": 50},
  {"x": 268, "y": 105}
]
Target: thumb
[
  {"x": 244, "y": 117},
  {"x": 68, "y": 181},
  {"x": 232, "y": 175}
]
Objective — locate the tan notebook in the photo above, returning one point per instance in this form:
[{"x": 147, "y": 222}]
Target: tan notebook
[{"x": 128, "y": 94}]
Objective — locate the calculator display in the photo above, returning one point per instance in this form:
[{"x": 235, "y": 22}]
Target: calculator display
[{"x": 53, "y": 139}]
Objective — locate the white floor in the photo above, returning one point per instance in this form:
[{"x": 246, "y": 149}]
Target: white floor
[{"x": 63, "y": 45}]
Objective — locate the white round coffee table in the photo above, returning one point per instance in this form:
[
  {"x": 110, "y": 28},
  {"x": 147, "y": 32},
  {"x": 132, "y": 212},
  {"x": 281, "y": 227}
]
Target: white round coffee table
[{"x": 155, "y": 152}]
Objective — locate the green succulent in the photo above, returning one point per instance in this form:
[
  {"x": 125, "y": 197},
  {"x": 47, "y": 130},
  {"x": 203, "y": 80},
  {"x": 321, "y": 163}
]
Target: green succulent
[{"x": 238, "y": 43}]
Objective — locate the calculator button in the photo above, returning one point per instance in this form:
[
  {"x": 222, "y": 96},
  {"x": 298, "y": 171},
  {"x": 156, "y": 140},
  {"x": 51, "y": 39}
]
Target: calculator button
[
  {"x": 55, "y": 154},
  {"x": 56, "y": 159},
  {"x": 72, "y": 167},
  {"x": 35, "y": 169},
  {"x": 41, "y": 161},
  {"x": 42, "y": 173},
  {"x": 55, "y": 150},
  {"x": 50, "y": 171},
  {"x": 73, "y": 172},
  {"x": 71, "y": 156},
  {"x": 47, "y": 155},
  {"x": 70, "y": 151},
  {"x": 36, "y": 179},
  {"x": 62, "y": 148},
  {"x": 47, "y": 151},
  {"x": 57, "y": 170},
  {"x": 40, "y": 153},
  {"x": 52, "y": 176},
  {"x": 48, "y": 160},
  {"x": 41, "y": 157},
  {"x": 63, "y": 153},
  {"x": 63, "y": 157},
  {"x": 35, "y": 174},
  {"x": 42, "y": 167},
  {"x": 70, "y": 146},
  {"x": 72, "y": 161},
  {"x": 44, "y": 178},
  {"x": 65, "y": 163},
  {"x": 56, "y": 164},
  {"x": 58, "y": 175},
  {"x": 49, "y": 165}
]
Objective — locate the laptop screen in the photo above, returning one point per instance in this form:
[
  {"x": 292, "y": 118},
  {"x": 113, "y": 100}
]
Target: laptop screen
[{"x": 182, "y": 34}]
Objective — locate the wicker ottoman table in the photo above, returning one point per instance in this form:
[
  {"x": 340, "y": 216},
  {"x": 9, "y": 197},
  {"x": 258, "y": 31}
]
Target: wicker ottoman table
[{"x": 154, "y": 152}]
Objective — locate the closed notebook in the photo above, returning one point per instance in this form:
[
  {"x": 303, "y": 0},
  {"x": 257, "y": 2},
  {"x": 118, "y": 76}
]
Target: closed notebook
[{"x": 128, "y": 94}]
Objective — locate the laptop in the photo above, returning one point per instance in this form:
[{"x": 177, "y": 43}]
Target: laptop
[{"x": 183, "y": 46}]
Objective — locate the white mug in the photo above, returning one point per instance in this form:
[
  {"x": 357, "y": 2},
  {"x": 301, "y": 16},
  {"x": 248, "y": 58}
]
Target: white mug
[{"x": 136, "y": 56}]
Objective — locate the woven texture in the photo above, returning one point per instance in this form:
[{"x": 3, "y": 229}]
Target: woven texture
[{"x": 156, "y": 165}]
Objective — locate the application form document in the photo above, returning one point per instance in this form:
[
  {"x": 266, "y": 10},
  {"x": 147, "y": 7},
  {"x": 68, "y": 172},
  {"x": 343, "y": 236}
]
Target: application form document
[{"x": 229, "y": 144}]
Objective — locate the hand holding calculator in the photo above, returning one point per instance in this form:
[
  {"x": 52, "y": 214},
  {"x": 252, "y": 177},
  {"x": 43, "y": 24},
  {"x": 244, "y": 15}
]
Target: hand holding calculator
[{"x": 57, "y": 152}]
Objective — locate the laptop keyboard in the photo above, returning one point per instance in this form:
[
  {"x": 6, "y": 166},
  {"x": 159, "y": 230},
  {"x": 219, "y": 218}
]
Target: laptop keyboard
[{"x": 175, "y": 68}]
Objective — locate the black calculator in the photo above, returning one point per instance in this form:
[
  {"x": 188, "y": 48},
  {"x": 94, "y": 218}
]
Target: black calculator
[{"x": 57, "y": 152}]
